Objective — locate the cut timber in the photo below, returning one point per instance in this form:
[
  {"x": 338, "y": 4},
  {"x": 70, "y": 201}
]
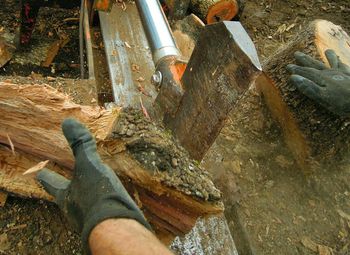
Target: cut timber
[
  {"x": 186, "y": 33},
  {"x": 312, "y": 133},
  {"x": 212, "y": 11},
  {"x": 223, "y": 65},
  {"x": 171, "y": 189}
]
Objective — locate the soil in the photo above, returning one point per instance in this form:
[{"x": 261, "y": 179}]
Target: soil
[{"x": 282, "y": 210}]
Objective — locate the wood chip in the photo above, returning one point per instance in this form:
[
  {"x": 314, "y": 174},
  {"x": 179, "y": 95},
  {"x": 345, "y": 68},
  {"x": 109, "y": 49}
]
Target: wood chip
[
  {"x": 4, "y": 243},
  {"x": 127, "y": 45},
  {"x": 53, "y": 51},
  {"x": 5, "y": 53},
  {"x": 343, "y": 215},
  {"x": 324, "y": 250},
  {"x": 140, "y": 79},
  {"x": 309, "y": 244},
  {"x": 144, "y": 110},
  {"x": 37, "y": 167},
  {"x": 11, "y": 145},
  {"x": 135, "y": 68},
  {"x": 3, "y": 198},
  {"x": 22, "y": 226}
]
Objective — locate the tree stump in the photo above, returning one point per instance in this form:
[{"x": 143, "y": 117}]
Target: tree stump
[{"x": 313, "y": 134}]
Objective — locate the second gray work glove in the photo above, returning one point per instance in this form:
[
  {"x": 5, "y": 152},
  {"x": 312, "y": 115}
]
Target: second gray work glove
[
  {"x": 329, "y": 87},
  {"x": 95, "y": 193}
]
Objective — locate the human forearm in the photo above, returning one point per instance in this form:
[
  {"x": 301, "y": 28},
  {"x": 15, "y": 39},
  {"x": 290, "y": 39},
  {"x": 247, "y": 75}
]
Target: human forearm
[{"x": 124, "y": 237}]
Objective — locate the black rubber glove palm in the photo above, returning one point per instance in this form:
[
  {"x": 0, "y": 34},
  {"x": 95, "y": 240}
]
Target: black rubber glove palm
[
  {"x": 329, "y": 87},
  {"x": 95, "y": 192}
]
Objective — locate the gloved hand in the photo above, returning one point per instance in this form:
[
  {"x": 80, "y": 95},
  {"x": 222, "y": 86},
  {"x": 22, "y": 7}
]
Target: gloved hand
[
  {"x": 95, "y": 193},
  {"x": 329, "y": 87}
]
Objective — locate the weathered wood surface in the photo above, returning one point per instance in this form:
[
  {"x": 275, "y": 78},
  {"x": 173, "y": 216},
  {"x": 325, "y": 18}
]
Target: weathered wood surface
[
  {"x": 171, "y": 190},
  {"x": 186, "y": 33},
  {"x": 212, "y": 11},
  {"x": 313, "y": 134},
  {"x": 223, "y": 65}
]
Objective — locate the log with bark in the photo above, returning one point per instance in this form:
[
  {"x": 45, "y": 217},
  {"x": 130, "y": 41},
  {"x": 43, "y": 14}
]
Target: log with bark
[
  {"x": 172, "y": 190},
  {"x": 212, "y": 11},
  {"x": 313, "y": 134}
]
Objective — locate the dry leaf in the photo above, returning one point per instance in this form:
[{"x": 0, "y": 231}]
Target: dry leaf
[{"x": 37, "y": 167}]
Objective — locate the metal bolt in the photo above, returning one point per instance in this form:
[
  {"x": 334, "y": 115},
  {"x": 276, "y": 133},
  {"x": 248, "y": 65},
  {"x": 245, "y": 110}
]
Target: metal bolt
[{"x": 156, "y": 79}]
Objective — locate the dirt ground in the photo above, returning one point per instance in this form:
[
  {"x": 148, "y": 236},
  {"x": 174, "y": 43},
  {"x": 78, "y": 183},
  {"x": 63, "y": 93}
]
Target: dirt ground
[{"x": 282, "y": 210}]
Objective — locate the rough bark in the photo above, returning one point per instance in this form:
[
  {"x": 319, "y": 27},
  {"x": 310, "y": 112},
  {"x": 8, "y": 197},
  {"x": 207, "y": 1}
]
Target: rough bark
[
  {"x": 312, "y": 133},
  {"x": 171, "y": 189},
  {"x": 212, "y": 11}
]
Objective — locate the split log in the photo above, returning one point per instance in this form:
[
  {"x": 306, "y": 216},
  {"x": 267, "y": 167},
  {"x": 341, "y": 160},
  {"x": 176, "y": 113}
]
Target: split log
[
  {"x": 223, "y": 65},
  {"x": 186, "y": 33},
  {"x": 172, "y": 190},
  {"x": 212, "y": 11},
  {"x": 313, "y": 134}
]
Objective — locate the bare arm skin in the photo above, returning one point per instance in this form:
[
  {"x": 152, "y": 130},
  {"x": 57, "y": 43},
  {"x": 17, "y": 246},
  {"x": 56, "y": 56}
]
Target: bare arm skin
[{"x": 124, "y": 237}]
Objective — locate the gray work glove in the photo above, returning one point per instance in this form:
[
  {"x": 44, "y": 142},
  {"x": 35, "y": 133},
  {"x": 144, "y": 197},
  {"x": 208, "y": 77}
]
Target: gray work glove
[
  {"x": 95, "y": 193},
  {"x": 329, "y": 87}
]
